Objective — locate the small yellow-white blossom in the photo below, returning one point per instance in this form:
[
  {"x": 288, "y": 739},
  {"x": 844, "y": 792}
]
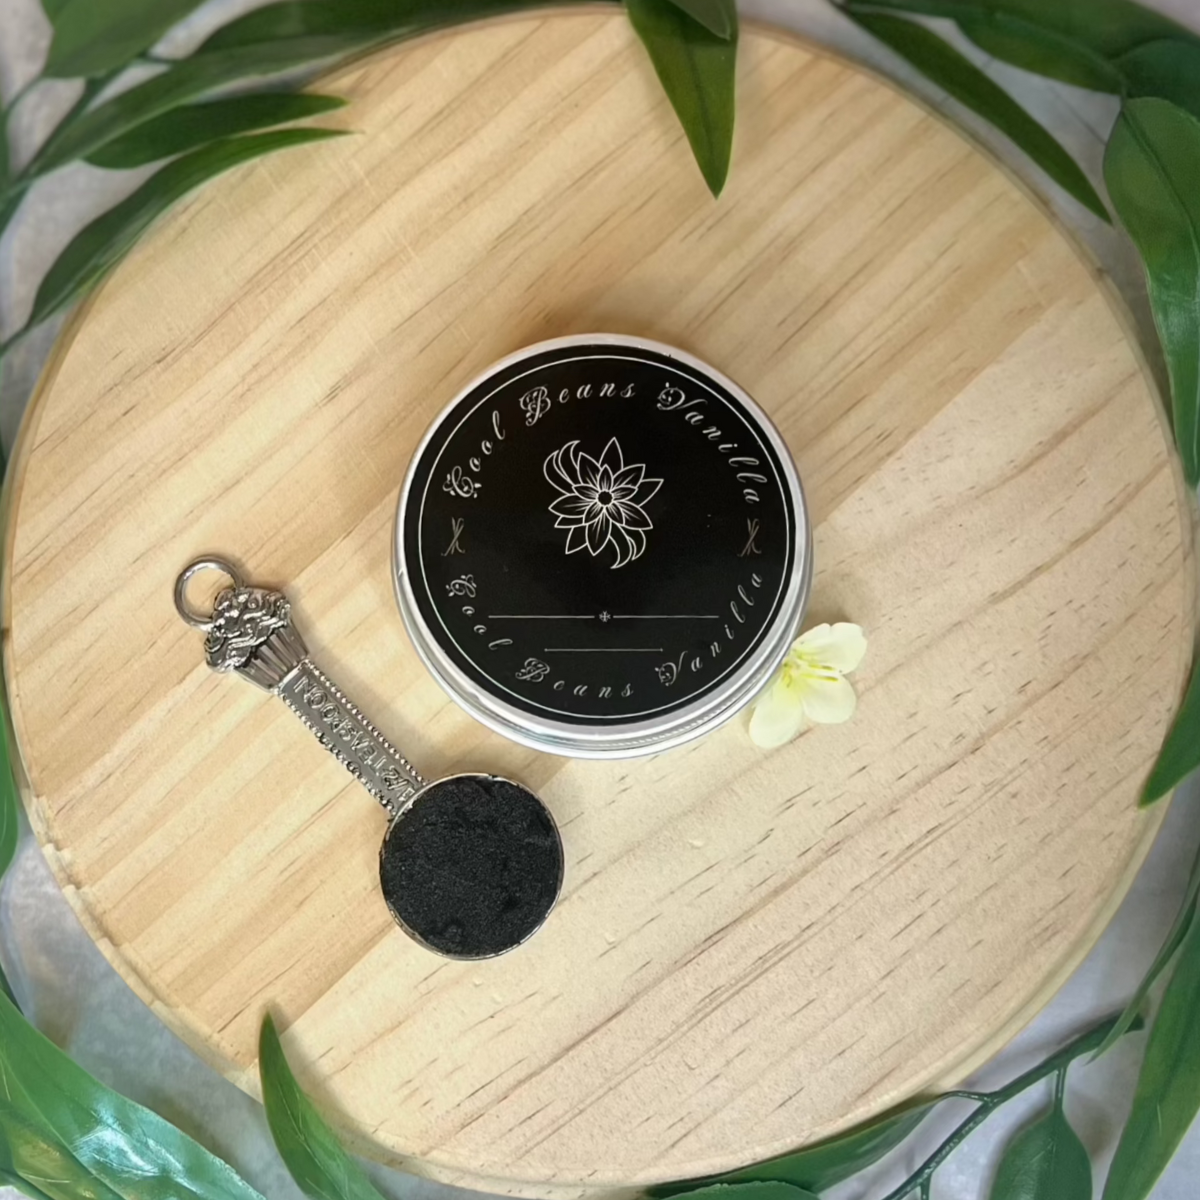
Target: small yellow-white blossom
[{"x": 811, "y": 686}]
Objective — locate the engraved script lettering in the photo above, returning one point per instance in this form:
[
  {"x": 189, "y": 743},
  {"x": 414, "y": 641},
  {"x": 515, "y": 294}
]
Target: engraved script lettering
[
  {"x": 458, "y": 483},
  {"x": 501, "y": 621},
  {"x": 340, "y": 727},
  {"x": 674, "y": 399},
  {"x": 534, "y": 671},
  {"x": 535, "y": 404}
]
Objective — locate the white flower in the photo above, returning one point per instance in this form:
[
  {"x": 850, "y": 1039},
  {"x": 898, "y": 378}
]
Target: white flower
[
  {"x": 811, "y": 685},
  {"x": 601, "y": 502}
]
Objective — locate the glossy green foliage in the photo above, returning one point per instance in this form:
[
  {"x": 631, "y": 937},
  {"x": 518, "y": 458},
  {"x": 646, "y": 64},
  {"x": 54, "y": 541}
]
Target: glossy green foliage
[
  {"x": 95, "y": 37},
  {"x": 1047, "y": 1161},
  {"x": 65, "y": 1133},
  {"x": 717, "y": 16},
  {"x": 697, "y": 69},
  {"x": 945, "y": 66},
  {"x": 97, "y": 248},
  {"x": 1168, "y": 1088},
  {"x": 1152, "y": 167},
  {"x": 309, "y": 1148},
  {"x": 1076, "y": 41},
  {"x": 827, "y": 1163},
  {"x": 185, "y": 128}
]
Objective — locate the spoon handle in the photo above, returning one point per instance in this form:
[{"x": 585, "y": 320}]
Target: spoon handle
[
  {"x": 341, "y": 728},
  {"x": 250, "y": 632}
]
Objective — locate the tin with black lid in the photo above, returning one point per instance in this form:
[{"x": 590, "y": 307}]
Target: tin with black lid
[{"x": 602, "y": 547}]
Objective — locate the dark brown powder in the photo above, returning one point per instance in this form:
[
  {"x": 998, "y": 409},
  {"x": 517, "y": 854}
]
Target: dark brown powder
[{"x": 473, "y": 867}]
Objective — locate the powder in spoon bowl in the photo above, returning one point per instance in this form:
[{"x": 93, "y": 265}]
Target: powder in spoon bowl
[{"x": 473, "y": 866}]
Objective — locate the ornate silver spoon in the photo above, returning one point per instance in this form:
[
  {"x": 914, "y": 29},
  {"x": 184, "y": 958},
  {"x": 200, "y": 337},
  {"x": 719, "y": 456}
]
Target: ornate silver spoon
[{"x": 472, "y": 864}]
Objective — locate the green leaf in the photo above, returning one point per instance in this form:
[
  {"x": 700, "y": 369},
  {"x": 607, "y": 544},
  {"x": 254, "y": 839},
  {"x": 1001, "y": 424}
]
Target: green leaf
[
  {"x": 9, "y": 821},
  {"x": 830, "y": 1163},
  {"x": 266, "y": 41},
  {"x": 325, "y": 27},
  {"x": 1169, "y": 70},
  {"x": 1168, "y": 1089},
  {"x": 1072, "y": 40},
  {"x": 56, "y": 1108},
  {"x": 1152, "y": 167},
  {"x": 33, "y": 1159},
  {"x": 6, "y": 988},
  {"x": 183, "y": 129},
  {"x": 93, "y": 37},
  {"x": 1042, "y": 51},
  {"x": 1047, "y": 1161},
  {"x": 83, "y": 136},
  {"x": 970, "y": 86},
  {"x": 5, "y": 155},
  {"x": 25, "y": 1188},
  {"x": 9, "y": 203},
  {"x": 825, "y": 1164},
  {"x": 308, "y": 1147},
  {"x": 717, "y": 16},
  {"x": 9, "y": 802},
  {"x": 697, "y": 69},
  {"x": 99, "y": 246},
  {"x": 1179, "y": 931},
  {"x": 1180, "y": 754},
  {"x": 753, "y": 1191}
]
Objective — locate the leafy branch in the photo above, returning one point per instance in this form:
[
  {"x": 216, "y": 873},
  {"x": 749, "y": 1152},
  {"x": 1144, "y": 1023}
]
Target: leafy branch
[
  {"x": 182, "y": 110},
  {"x": 822, "y": 1166},
  {"x": 181, "y": 115},
  {"x": 54, "y": 1116},
  {"x": 1152, "y": 173},
  {"x": 1056, "y": 1065},
  {"x": 1047, "y": 1159}
]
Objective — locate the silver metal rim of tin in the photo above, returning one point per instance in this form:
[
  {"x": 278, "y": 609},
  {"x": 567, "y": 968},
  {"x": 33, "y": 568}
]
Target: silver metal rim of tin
[{"x": 636, "y": 738}]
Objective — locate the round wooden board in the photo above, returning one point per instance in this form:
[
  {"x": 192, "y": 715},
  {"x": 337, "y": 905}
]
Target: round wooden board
[{"x": 753, "y": 951}]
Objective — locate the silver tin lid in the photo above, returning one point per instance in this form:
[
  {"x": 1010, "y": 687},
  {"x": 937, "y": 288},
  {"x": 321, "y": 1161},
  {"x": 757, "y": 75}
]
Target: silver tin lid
[{"x": 602, "y": 548}]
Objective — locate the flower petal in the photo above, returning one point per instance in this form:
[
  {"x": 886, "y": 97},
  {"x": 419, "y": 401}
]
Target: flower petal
[
  {"x": 571, "y": 509},
  {"x": 577, "y": 539},
  {"x": 588, "y": 469},
  {"x": 597, "y": 533},
  {"x": 612, "y": 458},
  {"x": 827, "y": 699},
  {"x": 840, "y": 646},
  {"x": 778, "y": 716},
  {"x": 559, "y": 470},
  {"x": 604, "y": 479},
  {"x": 645, "y": 490},
  {"x": 627, "y": 548},
  {"x": 586, "y": 491},
  {"x": 629, "y": 515},
  {"x": 630, "y": 477}
]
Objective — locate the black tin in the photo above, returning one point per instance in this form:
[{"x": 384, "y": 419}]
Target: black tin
[{"x": 602, "y": 548}]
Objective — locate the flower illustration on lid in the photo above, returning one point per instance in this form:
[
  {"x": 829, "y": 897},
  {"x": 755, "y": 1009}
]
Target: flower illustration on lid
[{"x": 601, "y": 502}]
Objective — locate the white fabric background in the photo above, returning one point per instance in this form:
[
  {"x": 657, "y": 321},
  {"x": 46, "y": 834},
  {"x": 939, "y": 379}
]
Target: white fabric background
[{"x": 71, "y": 992}]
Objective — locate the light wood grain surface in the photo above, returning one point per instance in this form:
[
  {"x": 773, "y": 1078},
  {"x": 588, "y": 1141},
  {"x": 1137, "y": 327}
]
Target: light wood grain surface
[{"x": 753, "y": 950}]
